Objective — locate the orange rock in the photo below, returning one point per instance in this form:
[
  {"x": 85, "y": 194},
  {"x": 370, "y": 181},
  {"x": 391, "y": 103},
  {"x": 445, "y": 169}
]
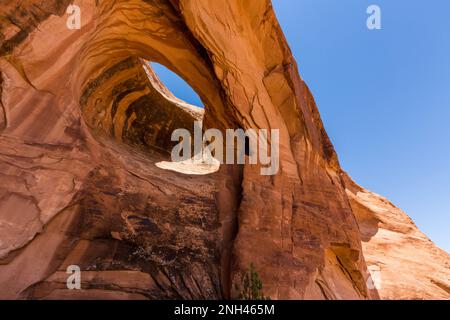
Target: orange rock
[{"x": 84, "y": 120}]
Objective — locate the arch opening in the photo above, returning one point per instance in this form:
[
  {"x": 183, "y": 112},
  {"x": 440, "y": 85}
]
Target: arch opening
[{"x": 176, "y": 85}]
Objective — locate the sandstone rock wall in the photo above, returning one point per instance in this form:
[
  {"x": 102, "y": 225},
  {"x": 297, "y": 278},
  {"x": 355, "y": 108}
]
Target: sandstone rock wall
[
  {"x": 404, "y": 262},
  {"x": 84, "y": 119}
]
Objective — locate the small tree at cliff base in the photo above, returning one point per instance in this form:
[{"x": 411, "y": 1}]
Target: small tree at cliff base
[{"x": 251, "y": 287}]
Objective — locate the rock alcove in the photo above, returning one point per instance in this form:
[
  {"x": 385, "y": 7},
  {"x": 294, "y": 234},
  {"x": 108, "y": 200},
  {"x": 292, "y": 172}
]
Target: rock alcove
[{"x": 79, "y": 144}]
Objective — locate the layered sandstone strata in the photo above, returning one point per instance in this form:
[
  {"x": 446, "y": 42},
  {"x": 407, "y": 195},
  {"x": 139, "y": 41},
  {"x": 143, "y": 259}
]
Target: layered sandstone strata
[{"x": 84, "y": 120}]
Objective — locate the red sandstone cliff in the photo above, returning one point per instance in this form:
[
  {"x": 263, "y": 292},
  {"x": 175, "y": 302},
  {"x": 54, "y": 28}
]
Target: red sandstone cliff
[{"x": 83, "y": 123}]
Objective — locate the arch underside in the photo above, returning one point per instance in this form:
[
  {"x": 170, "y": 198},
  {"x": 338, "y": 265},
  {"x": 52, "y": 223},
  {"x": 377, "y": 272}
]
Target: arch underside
[{"x": 85, "y": 120}]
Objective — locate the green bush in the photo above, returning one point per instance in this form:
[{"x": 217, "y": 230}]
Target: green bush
[{"x": 251, "y": 287}]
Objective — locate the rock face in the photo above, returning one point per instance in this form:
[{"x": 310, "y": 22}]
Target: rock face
[
  {"x": 84, "y": 120},
  {"x": 396, "y": 251}
]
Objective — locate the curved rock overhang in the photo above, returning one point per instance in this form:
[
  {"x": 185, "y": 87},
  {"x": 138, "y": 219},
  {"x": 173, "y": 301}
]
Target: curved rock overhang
[
  {"x": 146, "y": 232},
  {"x": 296, "y": 227}
]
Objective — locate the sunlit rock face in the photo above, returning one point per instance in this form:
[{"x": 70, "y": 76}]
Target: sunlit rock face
[
  {"x": 396, "y": 251},
  {"x": 84, "y": 121}
]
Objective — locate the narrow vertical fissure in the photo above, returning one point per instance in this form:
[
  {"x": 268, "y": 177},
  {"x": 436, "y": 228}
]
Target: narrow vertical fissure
[{"x": 3, "y": 117}]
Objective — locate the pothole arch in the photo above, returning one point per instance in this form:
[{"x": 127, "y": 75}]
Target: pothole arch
[
  {"x": 246, "y": 79},
  {"x": 121, "y": 96}
]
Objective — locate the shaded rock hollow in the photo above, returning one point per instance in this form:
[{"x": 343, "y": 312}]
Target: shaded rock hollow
[{"x": 84, "y": 119}]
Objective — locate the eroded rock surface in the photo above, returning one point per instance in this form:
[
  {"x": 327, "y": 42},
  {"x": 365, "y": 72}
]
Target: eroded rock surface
[
  {"x": 396, "y": 251},
  {"x": 84, "y": 120}
]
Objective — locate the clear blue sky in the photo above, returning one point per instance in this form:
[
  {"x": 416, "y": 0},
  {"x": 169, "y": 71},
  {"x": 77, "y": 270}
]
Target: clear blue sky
[
  {"x": 177, "y": 85},
  {"x": 384, "y": 96}
]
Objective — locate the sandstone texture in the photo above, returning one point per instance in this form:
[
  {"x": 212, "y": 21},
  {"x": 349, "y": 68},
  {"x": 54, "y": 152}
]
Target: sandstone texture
[{"x": 84, "y": 121}]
